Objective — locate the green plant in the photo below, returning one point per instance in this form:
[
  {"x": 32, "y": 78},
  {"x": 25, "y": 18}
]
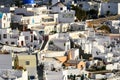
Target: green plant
[
  {"x": 92, "y": 13},
  {"x": 79, "y": 13},
  {"x": 106, "y": 28}
]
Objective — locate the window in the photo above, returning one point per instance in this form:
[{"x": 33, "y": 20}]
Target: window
[
  {"x": 61, "y": 8},
  {"x": 95, "y": 6},
  {"x": 4, "y": 17},
  {"x": 31, "y": 38},
  {"x": 4, "y": 35},
  {"x": 32, "y": 77},
  {"x": 108, "y": 6},
  {"x": 27, "y": 62},
  {"x": 80, "y": 5},
  {"x": 6, "y": 42},
  {"x": 4, "y": 25},
  {"x": 67, "y": 15},
  {"x": 31, "y": 32},
  {"x": 28, "y": 21},
  {"x": 12, "y": 42},
  {"x": 26, "y": 37},
  {"x": 0, "y": 36},
  {"x": 35, "y": 38}
]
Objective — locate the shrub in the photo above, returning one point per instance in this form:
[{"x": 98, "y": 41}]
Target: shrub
[
  {"x": 106, "y": 28},
  {"x": 51, "y": 43}
]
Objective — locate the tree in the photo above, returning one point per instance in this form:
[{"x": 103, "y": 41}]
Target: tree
[
  {"x": 50, "y": 2},
  {"x": 79, "y": 13},
  {"x": 105, "y": 28},
  {"x": 93, "y": 13},
  {"x": 82, "y": 77},
  {"x": 18, "y": 3}
]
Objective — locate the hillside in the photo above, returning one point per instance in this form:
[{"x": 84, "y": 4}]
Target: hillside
[{"x": 97, "y": 22}]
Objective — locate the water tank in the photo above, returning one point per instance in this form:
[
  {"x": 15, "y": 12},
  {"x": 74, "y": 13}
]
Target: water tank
[{"x": 28, "y": 1}]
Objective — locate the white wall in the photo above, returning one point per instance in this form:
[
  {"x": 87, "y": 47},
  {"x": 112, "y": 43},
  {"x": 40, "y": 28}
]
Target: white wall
[
  {"x": 114, "y": 26},
  {"x": 5, "y": 20},
  {"x": 112, "y": 7},
  {"x": 53, "y": 75},
  {"x": 97, "y": 44},
  {"x": 75, "y": 53},
  {"x": 40, "y": 10},
  {"x": 55, "y": 1},
  {"x": 85, "y": 6},
  {"x": 5, "y": 61},
  {"x": 66, "y": 16},
  {"x": 118, "y": 8},
  {"x": 17, "y": 18},
  {"x": 26, "y": 38},
  {"x": 24, "y": 76},
  {"x": 114, "y": 66},
  {"x": 58, "y": 9},
  {"x": 99, "y": 76},
  {"x": 69, "y": 72},
  {"x": 54, "y": 54},
  {"x": 48, "y": 29},
  {"x": 62, "y": 44},
  {"x": 12, "y": 36}
]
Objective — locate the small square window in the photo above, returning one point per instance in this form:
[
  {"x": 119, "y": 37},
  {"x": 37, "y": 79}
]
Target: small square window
[
  {"x": 108, "y": 6},
  {"x": 61, "y": 8},
  {"x": 4, "y": 35},
  {"x": 6, "y": 42},
  {"x": 12, "y": 43},
  {"x": 80, "y": 5},
  {"x": 26, "y": 37},
  {"x": 27, "y": 62}
]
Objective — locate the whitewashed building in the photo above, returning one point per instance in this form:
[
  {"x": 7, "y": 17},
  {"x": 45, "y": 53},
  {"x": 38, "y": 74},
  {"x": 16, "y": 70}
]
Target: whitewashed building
[
  {"x": 88, "y": 5},
  {"x": 5, "y": 20},
  {"x": 114, "y": 26},
  {"x": 62, "y": 75},
  {"x": 29, "y": 38},
  {"x": 58, "y": 7},
  {"x": 11, "y": 74},
  {"x": 5, "y": 60},
  {"x": 8, "y": 36},
  {"x": 25, "y": 38},
  {"x": 114, "y": 66},
  {"x": 66, "y": 16},
  {"x": 28, "y": 62},
  {"x": 109, "y": 8}
]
